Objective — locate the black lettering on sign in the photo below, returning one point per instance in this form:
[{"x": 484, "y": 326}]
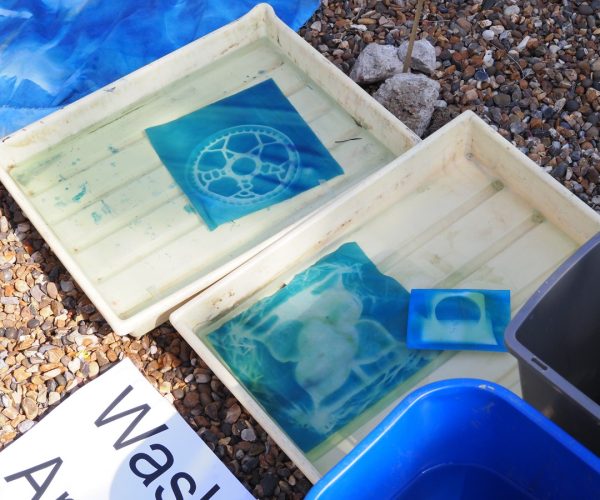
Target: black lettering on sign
[
  {"x": 191, "y": 488},
  {"x": 158, "y": 469},
  {"x": 141, "y": 411},
  {"x": 64, "y": 496},
  {"x": 211, "y": 492},
  {"x": 40, "y": 489}
]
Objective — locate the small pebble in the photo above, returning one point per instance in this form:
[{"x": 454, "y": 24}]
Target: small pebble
[
  {"x": 481, "y": 75},
  {"x": 191, "y": 399},
  {"x": 30, "y": 408},
  {"x": 488, "y": 35},
  {"x": 25, "y": 426},
  {"x": 233, "y": 414},
  {"x": 53, "y": 398},
  {"x": 33, "y": 323},
  {"x": 74, "y": 365},
  {"x": 203, "y": 378},
  {"x": 10, "y": 412},
  {"x": 21, "y": 286},
  {"x": 248, "y": 435},
  {"x": 52, "y": 290}
]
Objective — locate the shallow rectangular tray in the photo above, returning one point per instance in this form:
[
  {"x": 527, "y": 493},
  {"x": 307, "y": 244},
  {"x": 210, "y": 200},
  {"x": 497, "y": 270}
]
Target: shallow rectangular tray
[
  {"x": 89, "y": 180},
  {"x": 463, "y": 209}
]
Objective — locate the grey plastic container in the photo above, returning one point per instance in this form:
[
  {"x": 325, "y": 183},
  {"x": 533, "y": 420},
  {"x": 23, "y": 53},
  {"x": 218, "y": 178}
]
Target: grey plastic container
[{"x": 556, "y": 339}]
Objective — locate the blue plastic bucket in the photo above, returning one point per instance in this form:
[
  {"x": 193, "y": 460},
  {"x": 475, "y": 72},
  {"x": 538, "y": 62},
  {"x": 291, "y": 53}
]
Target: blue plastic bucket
[{"x": 464, "y": 439}]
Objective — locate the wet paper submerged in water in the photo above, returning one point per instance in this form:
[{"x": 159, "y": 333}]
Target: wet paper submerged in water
[
  {"x": 461, "y": 319},
  {"x": 326, "y": 348},
  {"x": 242, "y": 154}
]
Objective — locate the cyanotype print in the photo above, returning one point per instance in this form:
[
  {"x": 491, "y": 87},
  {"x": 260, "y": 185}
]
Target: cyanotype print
[
  {"x": 242, "y": 154},
  {"x": 324, "y": 349},
  {"x": 458, "y": 319}
]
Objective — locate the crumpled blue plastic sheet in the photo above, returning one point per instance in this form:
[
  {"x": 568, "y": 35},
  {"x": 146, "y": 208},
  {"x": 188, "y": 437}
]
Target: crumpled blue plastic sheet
[
  {"x": 52, "y": 52},
  {"x": 324, "y": 350},
  {"x": 242, "y": 154}
]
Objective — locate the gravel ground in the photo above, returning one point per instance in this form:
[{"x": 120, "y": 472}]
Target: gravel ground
[
  {"x": 52, "y": 341},
  {"x": 529, "y": 68}
]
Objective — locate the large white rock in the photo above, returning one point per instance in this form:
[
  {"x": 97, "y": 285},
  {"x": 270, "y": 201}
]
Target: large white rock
[
  {"x": 411, "y": 97},
  {"x": 376, "y": 63},
  {"x": 423, "y": 56}
]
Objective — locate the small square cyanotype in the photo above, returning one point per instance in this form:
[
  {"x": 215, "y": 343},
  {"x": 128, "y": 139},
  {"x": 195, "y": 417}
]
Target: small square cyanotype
[
  {"x": 458, "y": 319},
  {"x": 242, "y": 154},
  {"x": 324, "y": 349}
]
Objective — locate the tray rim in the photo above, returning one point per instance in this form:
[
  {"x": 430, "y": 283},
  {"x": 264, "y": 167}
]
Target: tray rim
[
  {"x": 222, "y": 295},
  {"x": 260, "y": 23}
]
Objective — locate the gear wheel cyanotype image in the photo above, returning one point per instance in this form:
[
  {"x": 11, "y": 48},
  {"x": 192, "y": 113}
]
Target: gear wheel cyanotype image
[
  {"x": 242, "y": 154},
  {"x": 244, "y": 165}
]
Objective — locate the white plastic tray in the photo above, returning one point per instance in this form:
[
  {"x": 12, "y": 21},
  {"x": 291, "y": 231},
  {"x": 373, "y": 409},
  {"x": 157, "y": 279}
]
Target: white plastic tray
[
  {"x": 90, "y": 182},
  {"x": 463, "y": 209}
]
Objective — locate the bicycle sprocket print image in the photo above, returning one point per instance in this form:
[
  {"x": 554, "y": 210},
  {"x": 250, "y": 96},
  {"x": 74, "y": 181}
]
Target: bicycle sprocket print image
[
  {"x": 242, "y": 154},
  {"x": 245, "y": 165}
]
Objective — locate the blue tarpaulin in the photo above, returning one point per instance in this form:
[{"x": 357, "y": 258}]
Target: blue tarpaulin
[{"x": 52, "y": 52}]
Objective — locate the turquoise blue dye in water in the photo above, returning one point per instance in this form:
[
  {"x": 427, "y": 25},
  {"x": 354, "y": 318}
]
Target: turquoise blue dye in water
[
  {"x": 242, "y": 154},
  {"x": 458, "y": 319},
  {"x": 82, "y": 192},
  {"x": 324, "y": 349}
]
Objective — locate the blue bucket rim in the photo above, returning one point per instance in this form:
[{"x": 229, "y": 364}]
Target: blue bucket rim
[{"x": 414, "y": 397}]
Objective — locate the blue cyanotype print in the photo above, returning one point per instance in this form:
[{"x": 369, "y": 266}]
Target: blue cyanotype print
[
  {"x": 458, "y": 319},
  {"x": 324, "y": 349},
  {"x": 242, "y": 154}
]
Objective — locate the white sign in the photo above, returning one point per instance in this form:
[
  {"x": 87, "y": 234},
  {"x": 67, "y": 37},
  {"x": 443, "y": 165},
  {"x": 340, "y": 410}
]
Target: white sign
[{"x": 116, "y": 438}]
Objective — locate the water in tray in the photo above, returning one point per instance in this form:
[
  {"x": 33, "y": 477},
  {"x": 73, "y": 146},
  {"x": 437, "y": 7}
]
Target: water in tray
[{"x": 118, "y": 212}]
